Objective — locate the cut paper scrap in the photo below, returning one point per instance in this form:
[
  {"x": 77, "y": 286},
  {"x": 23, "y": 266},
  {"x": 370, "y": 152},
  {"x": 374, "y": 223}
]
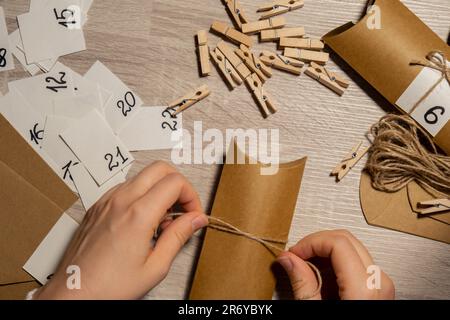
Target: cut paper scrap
[
  {"x": 123, "y": 104},
  {"x": 56, "y": 149},
  {"x": 78, "y": 106},
  {"x": 235, "y": 267},
  {"x": 45, "y": 259},
  {"x": 417, "y": 194},
  {"x": 39, "y": 91},
  {"x": 52, "y": 30},
  {"x": 16, "y": 46},
  {"x": 93, "y": 142},
  {"x": 6, "y": 58},
  {"x": 153, "y": 128},
  {"x": 88, "y": 190},
  {"x": 393, "y": 211}
]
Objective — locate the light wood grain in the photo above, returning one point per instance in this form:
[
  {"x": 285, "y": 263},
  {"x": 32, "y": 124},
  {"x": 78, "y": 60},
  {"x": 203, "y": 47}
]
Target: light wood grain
[{"x": 150, "y": 45}]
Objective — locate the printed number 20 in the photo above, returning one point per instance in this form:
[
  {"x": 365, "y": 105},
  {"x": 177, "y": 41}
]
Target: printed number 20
[{"x": 115, "y": 164}]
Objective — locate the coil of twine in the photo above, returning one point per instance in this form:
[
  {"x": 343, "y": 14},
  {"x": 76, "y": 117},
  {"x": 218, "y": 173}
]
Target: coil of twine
[{"x": 403, "y": 152}]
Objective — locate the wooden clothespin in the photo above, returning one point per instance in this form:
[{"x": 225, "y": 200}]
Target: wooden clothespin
[
  {"x": 231, "y": 33},
  {"x": 189, "y": 99},
  {"x": 264, "y": 101},
  {"x": 279, "y": 7},
  {"x": 329, "y": 79},
  {"x": 257, "y": 26},
  {"x": 253, "y": 63},
  {"x": 235, "y": 61},
  {"x": 281, "y": 62},
  {"x": 433, "y": 206},
  {"x": 230, "y": 74},
  {"x": 275, "y": 34},
  {"x": 203, "y": 52},
  {"x": 236, "y": 12},
  {"x": 307, "y": 55},
  {"x": 349, "y": 162},
  {"x": 311, "y": 44}
]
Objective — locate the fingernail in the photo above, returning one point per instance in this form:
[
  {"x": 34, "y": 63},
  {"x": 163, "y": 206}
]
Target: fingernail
[
  {"x": 199, "y": 222},
  {"x": 286, "y": 263}
]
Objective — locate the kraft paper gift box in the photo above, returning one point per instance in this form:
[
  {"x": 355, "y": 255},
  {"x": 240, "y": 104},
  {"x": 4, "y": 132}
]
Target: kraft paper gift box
[
  {"x": 383, "y": 56},
  {"x": 32, "y": 199},
  {"x": 234, "y": 267}
]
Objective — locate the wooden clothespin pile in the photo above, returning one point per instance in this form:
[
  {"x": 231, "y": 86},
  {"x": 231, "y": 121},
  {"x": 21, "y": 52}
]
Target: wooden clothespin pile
[{"x": 239, "y": 65}]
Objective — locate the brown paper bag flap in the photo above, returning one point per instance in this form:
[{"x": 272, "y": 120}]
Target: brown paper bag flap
[
  {"x": 235, "y": 267},
  {"x": 393, "y": 211},
  {"x": 17, "y": 291}
]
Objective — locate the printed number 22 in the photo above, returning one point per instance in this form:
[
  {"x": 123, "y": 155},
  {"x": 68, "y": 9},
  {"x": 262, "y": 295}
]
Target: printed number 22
[{"x": 115, "y": 164}]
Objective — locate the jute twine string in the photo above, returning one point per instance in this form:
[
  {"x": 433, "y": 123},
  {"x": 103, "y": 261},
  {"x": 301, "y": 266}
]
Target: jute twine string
[
  {"x": 403, "y": 152},
  {"x": 436, "y": 60},
  {"x": 268, "y": 243}
]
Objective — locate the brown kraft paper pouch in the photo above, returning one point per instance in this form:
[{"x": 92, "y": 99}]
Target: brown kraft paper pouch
[
  {"x": 382, "y": 56},
  {"x": 232, "y": 266}
]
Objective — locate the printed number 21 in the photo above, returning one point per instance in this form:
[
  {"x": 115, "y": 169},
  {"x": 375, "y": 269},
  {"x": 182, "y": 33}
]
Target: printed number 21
[{"x": 115, "y": 164}]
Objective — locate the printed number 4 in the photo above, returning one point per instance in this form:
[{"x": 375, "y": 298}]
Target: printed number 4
[
  {"x": 431, "y": 117},
  {"x": 115, "y": 164}
]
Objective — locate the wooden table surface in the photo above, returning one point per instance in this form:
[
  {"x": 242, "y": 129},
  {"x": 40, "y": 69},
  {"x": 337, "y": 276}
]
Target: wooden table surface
[{"x": 150, "y": 45}]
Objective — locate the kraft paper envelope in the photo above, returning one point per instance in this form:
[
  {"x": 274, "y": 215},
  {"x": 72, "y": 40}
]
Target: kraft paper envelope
[
  {"x": 32, "y": 198},
  {"x": 234, "y": 267},
  {"x": 382, "y": 56},
  {"x": 394, "y": 211},
  {"x": 417, "y": 194}
]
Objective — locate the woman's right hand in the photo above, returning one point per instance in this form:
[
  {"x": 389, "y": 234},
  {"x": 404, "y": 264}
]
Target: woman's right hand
[{"x": 350, "y": 261}]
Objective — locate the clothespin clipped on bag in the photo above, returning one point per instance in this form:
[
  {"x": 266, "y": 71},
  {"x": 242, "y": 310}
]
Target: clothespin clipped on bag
[
  {"x": 279, "y": 7},
  {"x": 236, "y": 12},
  {"x": 253, "y": 63},
  {"x": 307, "y": 55},
  {"x": 310, "y": 44},
  {"x": 281, "y": 62},
  {"x": 349, "y": 162},
  {"x": 189, "y": 99},
  {"x": 203, "y": 52},
  {"x": 433, "y": 206},
  {"x": 329, "y": 79},
  {"x": 229, "y": 73},
  {"x": 264, "y": 101},
  {"x": 231, "y": 33},
  {"x": 257, "y": 26}
]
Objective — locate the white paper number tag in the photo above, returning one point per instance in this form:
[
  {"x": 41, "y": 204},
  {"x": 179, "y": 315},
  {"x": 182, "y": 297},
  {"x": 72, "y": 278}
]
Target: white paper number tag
[
  {"x": 434, "y": 112},
  {"x": 6, "y": 58},
  {"x": 153, "y": 128},
  {"x": 95, "y": 145}
]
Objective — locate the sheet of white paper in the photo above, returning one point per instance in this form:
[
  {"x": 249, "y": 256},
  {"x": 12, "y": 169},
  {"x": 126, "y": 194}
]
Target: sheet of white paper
[
  {"x": 85, "y": 87},
  {"x": 16, "y": 43},
  {"x": 153, "y": 128},
  {"x": 76, "y": 107},
  {"x": 45, "y": 259},
  {"x": 95, "y": 145},
  {"x": 88, "y": 190},
  {"x": 28, "y": 123},
  {"x": 6, "y": 58},
  {"x": 55, "y": 147},
  {"x": 123, "y": 104},
  {"x": 52, "y": 30},
  {"x": 39, "y": 91}
]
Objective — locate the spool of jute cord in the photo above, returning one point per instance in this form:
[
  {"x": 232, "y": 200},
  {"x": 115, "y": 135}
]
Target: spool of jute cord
[
  {"x": 403, "y": 152},
  {"x": 269, "y": 243}
]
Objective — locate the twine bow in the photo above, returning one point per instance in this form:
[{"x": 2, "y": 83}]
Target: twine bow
[{"x": 436, "y": 60}]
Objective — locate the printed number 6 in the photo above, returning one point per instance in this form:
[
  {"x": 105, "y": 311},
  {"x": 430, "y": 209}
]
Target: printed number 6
[{"x": 431, "y": 117}]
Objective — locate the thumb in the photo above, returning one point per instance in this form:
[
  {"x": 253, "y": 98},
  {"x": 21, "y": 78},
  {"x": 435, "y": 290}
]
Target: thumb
[
  {"x": 173, "y": 238},
  {"x": 303, "y": 279}
]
